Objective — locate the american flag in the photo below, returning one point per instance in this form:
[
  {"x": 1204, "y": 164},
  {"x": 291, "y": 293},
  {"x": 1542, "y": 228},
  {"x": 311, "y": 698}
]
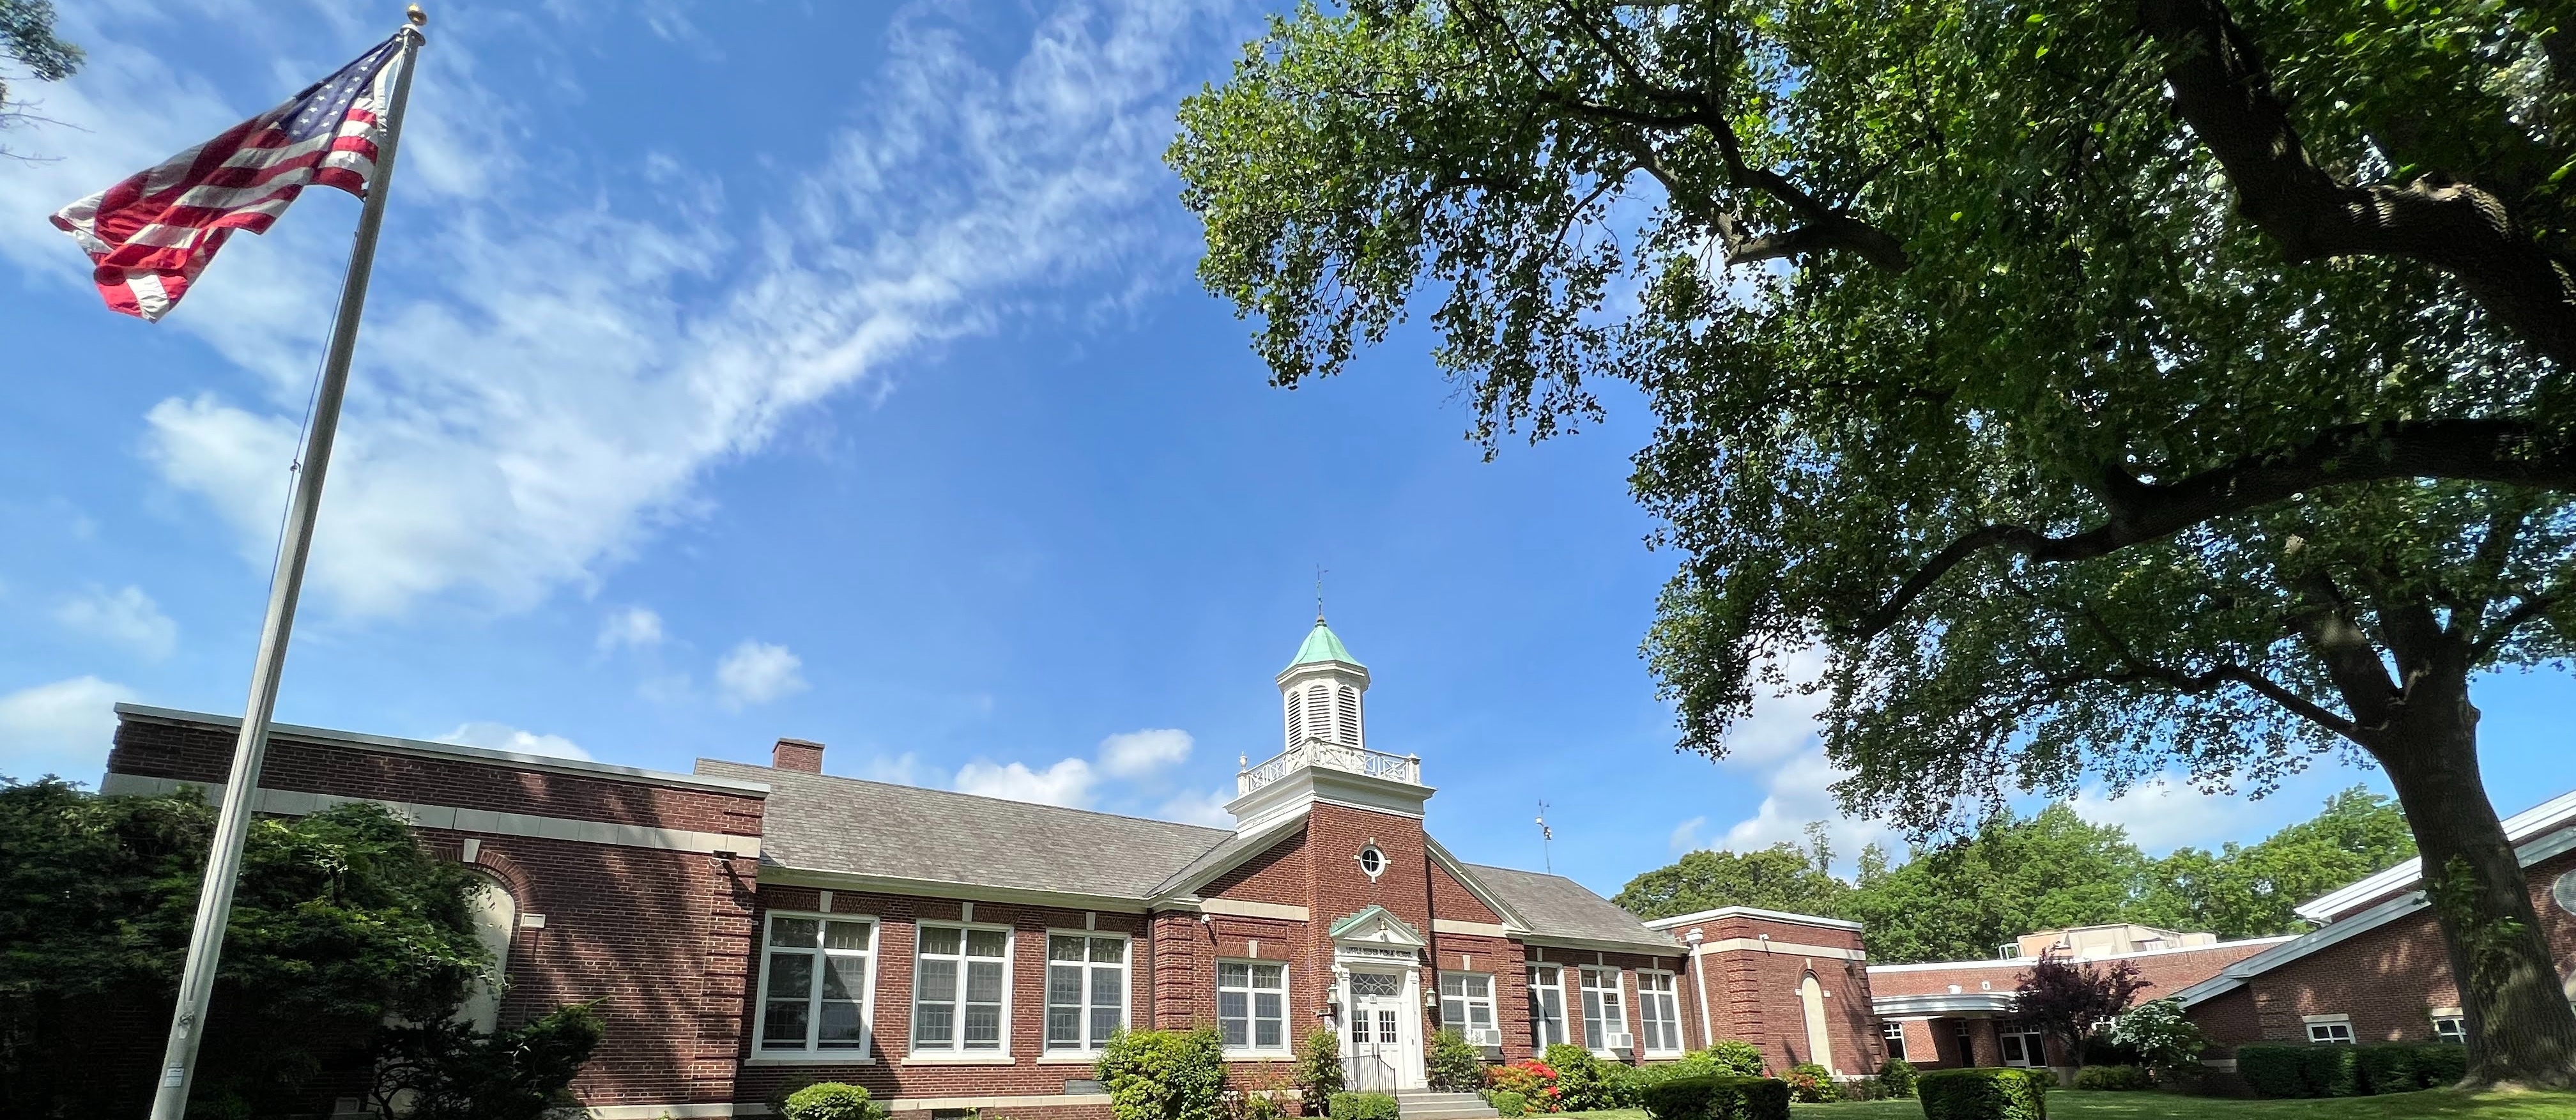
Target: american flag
[{"x": 151, "y": 234}]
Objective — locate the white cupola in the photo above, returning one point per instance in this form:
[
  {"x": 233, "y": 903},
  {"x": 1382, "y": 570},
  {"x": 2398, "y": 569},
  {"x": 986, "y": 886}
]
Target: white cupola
[
  {"x": 1323, "y": 724},
  {"x": 1320, "y": 693}
]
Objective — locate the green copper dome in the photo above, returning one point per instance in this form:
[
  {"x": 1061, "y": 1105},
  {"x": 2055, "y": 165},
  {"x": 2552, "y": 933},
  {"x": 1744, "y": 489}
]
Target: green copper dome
[{"x": 1322, "y": 645}]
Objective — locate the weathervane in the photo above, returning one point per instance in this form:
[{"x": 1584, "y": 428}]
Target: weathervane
[
  {"x": 1319, "y": 592},
  {"x": 1546, "y": 855}
]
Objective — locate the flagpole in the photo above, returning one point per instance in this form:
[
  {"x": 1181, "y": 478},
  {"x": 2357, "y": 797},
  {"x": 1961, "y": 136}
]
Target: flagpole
[{"x": 241, "y": 788}]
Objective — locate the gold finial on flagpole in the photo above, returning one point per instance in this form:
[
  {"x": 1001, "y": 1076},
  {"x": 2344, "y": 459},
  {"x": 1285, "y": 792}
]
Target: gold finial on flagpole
[{"x": 417, "y": 17}]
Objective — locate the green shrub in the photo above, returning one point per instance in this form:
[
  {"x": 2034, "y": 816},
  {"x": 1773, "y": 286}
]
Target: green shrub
[
  {"x": 1582, "y": 1082},
  {"x": 1318, "y": 1071},
  {"x": 1263, "y": 1106},
  {"x": 2331, "y": 1071},
  {"x": 2273, "y": 1069},
  {"x": 2112, "y": 1079},
  {"x": 1810, "y": 1083},
  {"x": 2441, "y": 1064},
  {"x": 1621, "y": 1084},
  {"x": 1534, "y": 1081},
  {"x": 1510, "y": 1105},
  {"x": 1897, "y": 1077},
  {"x": 1718, "y": 1096},
  {"x": 1984, "y": 1094},
  {"x": 1363, "y": 1106},
  {"x": 830, "y": 1100},
  {"x": 1452, "y": 1066},
  {"x": 2387, "y": 1069},
  {"x": 1743, "y": 1059},
  {"x": 1164, "y": 1075}
]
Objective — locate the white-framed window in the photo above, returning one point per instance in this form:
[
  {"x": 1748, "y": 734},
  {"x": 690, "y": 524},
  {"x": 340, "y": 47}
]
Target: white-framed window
[
  {"x": 1086, "y": 990},
  {"x": 817, "y": 982},
  {"x": 1659, "y": 1007},
  {"x": 2021, "y": 1044},
  {"x": 961, "y": 990},
  {"x": 1467, "y": 1006},
  {"x": 1372, "y": 861},
  {"x": 1252, "y": 1006},
  {"x": 1894, "y": 1033},
  {"x": 1547, "y": 1007},
  {"x": 2330, "y": 1030},
  {"x": 1605, "y": 1015},
  {"x": 2450, "y": 1028}
]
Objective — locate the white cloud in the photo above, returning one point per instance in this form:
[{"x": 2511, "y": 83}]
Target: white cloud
[
  {"x": 503, "y": 737},
  {"x": 1778, "y": 742},
  {"x": 550, "y": 369},
  {"x": 61, "y": 728},
  {"x": 757, "y": 673},
  {"x": 1136, "y": 754},
  {"x": 631, "y": 628},
  {"x": 126, "y": 617},
  {"x": 1067, "y": 783},
  {"x": 902, "y": 769},
  {"x": 1685, "y": 836},
  {"x": 1199, "y": 808}
]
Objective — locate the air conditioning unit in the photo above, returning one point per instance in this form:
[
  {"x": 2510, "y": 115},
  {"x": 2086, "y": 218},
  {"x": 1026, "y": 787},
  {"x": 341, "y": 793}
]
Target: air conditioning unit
[
  {"x": 1485, "y": 1036},
  {"x": 1621, "y": 1041}
]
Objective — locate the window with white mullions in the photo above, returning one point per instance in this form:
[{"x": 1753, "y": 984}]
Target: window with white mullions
[
  {"x": 2336, "y": 1031},
  {"x": 1086, "y": 990},
  {"x": 1467, "y": 1006},
  {"x": 1894, "y": 1033},
  {"x": 2450, "y": 1028},
  {"x": 1603, "y": 1011},
  {"x": 1547, "y": 1007},
  {"x": 961, "y": 981},
  {"x": 1252, "y": 1005},
  {"x": 816, "y": 976},
  {"x": 1659, "y": 1006}
]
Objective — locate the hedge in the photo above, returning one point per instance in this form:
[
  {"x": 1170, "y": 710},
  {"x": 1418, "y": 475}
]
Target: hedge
[
  {"x": 2274, "y": 1069},
  {"x": 1984, "y": 1094},
  {"x": 830, "y": 1100},
  {"x": 2283, "y": 1070},
  {"x": 1363, "y": 1106},
  {"x": 1510, "y": 1105},
  {"x": 2111, "y": 1079},
  {"x": 2332, "y": 1071},
  {"x": 1718, "y": 1096}
]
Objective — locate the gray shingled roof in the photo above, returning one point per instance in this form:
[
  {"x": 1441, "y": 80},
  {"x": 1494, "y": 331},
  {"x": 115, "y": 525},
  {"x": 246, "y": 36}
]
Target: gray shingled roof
[
  {"x": 1553, "y": 906},
  {"x": 816, "y": 822}
]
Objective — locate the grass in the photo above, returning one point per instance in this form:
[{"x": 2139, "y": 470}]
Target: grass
[{"x": 2069, "y": 1104}]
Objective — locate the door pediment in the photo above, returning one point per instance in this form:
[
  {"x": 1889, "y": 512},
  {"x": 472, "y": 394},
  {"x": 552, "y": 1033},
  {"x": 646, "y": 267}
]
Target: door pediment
[{"x": 1376, "y": 927}]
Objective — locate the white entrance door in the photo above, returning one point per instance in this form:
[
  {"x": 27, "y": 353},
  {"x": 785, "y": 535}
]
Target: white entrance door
[{"x": 1383, "y": 1043}]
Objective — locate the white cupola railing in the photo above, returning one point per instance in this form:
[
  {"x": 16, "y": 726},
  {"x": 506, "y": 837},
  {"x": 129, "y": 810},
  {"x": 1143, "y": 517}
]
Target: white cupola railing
[{"x": 1327, "y": 755}]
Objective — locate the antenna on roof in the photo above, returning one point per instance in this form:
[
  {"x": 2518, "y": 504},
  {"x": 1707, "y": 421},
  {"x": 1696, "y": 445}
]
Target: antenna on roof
[
  {"x": 1319, "y": 594},
  {"x": 1545, "y": 834}
]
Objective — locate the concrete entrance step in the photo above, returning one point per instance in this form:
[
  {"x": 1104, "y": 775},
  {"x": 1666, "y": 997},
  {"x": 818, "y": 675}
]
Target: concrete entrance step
[{"x": 1423, "y": 1105}]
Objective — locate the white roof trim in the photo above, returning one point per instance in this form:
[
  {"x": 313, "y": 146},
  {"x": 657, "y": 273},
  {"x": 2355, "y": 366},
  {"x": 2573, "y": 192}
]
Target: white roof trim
[
  {"x": 2537, "y": 820},
  {"x": 2025, "y": 962},
  {"x": 1751, "y": 912},
  {"x": 388, "y": 744},
  {"x": 1512, "y": 924},
  {"x": 2235, "y": 975},
  {"x": 1943, "y": 1003}
]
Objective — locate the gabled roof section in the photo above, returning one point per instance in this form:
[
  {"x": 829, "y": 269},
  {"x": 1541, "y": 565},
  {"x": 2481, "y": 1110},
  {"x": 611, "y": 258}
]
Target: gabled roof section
[
  {"x": 1234, "y": 852},
  {"x": 1464, "y": 873},
  {"x": 1559, "y": 910},
  {"x": 1381, "y": 919},
  {"x": 817, "y": 822},
  {"x": 2539, "y": 820}
]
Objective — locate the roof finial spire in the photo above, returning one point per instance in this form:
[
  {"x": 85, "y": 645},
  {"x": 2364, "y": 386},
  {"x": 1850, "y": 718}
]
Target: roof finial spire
[{"x": 1319, "y": 594}]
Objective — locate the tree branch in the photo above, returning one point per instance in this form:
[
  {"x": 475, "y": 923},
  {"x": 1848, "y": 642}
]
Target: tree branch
[
  {"x": 2220, "y": 85},
  {"x": 2506, "y": 451}
]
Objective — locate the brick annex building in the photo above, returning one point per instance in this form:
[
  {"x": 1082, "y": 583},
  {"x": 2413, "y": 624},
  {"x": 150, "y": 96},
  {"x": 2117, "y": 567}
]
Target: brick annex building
[{"x": 748, "y": 925}]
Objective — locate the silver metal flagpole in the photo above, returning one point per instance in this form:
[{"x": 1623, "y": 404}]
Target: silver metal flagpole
[{"x": 223, "y": 864}]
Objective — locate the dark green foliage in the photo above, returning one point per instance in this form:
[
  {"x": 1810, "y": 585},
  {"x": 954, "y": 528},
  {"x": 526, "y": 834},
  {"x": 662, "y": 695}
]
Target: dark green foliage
[
  {"x": 2387, "y": 1069},
  {"x": 340, "y": 920},
  {"x": 450, "y": 1072},
  {"x": 2274, "y": 1069},
  {"x": 1363, "y": 1106},
  {"x": 2248, "y": 891},
  {"x": 1453, "y": 1066},
  {"x": 1164, "y": 1075},
  {"x": 1317, "y": 1073},
  {"x": 2441, "y": 1064},
  {"x": 2331, "y": 1071},
  {"x": 1717, "y": 1096},
  {"x": 1984, "y": 1094},
  {"x": 27, "y": 38},
  {"x": 830, "y": 1100},
  {"x": 1897, "y": 1077},
  {"x": 1730, "y": 1055},
  {"x": 1582, "y": 1081},
  {"x": 1810, "y": 1083},
  {"x": 1783, "y": 876},
  {"x": 1509, "y": 1105},
  {"x": 2117, "y": 1079}
]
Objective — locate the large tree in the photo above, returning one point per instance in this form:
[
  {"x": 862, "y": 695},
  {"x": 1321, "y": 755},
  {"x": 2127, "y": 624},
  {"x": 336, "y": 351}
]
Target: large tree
[
  {"x": 2107, "y": 387},
  {"x": 1783, "y": 876},
  {"x": 27, "y": 40},
  {"x": 2251, "y": 890}
]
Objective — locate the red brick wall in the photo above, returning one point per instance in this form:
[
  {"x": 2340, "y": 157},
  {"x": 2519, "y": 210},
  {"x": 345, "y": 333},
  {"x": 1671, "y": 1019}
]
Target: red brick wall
[
  {"x": 1755, "y": 993},
  {"x": 1278, "y": 875},
  {"x": 1452, "y": 900}
]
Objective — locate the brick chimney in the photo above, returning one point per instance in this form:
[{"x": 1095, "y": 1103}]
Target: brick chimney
[{"x": 797, "y": 754}]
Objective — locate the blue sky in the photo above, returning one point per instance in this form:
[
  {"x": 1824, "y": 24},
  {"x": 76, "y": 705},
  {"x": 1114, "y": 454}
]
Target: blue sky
[{"x": 832, "y": 371}]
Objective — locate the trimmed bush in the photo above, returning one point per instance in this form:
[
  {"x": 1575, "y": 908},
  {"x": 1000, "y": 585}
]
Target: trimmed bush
[
  {"x": 1897, "y": 1077},
  {"x": 2274, "y": 1069},
  {"x": 1452, "y": 1066},
  {"x": 2331, "y": 1071},
  {"x": 1363, "y": 1106},
  {"x": 1743, "y": 1059},
  {"x": 1582, "y": 1083},
  {"x": 1509, "y": 1105},
  {"x": 1164, "y": 1075},
  {"x": 1718, "y": 1096},
  {"x": 2387, "y": 1069},
  {"x": 1984, "y": 1094},
  {"x": 2440, "y": 1065},
  {"x": 1810, "y": 1083},
  {"x": 2111, "y": 1079},
  {"x": 830, "y": 1100}
]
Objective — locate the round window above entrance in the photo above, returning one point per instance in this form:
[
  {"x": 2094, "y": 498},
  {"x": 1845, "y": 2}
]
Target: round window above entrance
[{"x": 1372, "y": 861}]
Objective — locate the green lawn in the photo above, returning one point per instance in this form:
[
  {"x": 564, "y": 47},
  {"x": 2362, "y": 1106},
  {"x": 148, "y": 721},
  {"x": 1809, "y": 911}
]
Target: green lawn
[{"x": 2068, "y": 1104}]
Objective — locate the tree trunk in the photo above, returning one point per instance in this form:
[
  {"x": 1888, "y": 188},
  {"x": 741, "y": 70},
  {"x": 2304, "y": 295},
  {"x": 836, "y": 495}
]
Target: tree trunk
[{"x": 2521, "y": 1030}]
